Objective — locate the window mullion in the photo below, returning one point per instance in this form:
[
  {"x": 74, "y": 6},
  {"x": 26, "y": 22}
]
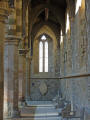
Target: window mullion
[
  {"x": 46, "y": 56},
  {"x": 43, "y": 56}
]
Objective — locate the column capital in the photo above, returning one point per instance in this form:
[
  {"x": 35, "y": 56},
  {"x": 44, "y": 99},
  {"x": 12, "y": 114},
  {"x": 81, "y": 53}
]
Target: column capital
[
  {"x": 11, "y": 39},
  {"x": 3, "y": 11},
  {"x": 23, "y": 51}
]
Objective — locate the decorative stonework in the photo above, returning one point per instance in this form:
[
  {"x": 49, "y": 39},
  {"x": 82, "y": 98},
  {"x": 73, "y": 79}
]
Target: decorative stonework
[
  {"x": 3, "y": 11},
  {"x": 43, "y": 88},
  {"x": 23, "y": 51}
]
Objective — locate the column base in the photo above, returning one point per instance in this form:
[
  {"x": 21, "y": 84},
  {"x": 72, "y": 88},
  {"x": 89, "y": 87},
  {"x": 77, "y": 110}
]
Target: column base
[
  {"x": 28, "y": 98},
  {"x": 14, "y": 114},
  {"x": 22, "y": 102}
]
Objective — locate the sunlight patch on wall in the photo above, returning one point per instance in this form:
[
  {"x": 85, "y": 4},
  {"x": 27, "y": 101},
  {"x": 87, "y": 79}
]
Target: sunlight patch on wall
[
  {"x": 67, "y": 23},
  {"x": 61, "y": 39},
  {"x": 78, "y": 5}
]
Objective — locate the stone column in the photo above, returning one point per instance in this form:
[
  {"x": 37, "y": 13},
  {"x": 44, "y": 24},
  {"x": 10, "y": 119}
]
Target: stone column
[
  {"x": 11, "y": 68},
  {"x": 26, "y": 41},
  {"x": 3, "y": 16},
  {"x": 22, "y": 74},
  {"x": 28, "y": 60},
  {"x": 19, "y": 17},
  {"x": 11, "y": 77}
]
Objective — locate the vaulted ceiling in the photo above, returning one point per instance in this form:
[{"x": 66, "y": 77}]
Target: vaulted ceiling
[
  {"x": 56, "y": 10},
  {"x": 60, "y": 3}
]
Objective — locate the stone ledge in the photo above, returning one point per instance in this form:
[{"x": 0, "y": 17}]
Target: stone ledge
[
  {"x": 11, "y": 39},
  {"x": 23, "y": 51}
]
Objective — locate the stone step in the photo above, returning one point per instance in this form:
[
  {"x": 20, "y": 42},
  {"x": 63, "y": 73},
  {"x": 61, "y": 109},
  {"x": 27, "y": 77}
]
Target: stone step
[
  {"x": 40, "y": 103},
  {"x": 38, "y": 111},
  {"x": 40, "y": 118}
]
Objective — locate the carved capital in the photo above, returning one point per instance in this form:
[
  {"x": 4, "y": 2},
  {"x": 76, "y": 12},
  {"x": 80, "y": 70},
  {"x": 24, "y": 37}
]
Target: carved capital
[
  {"x": 13, "y": 40},
  {"x": 3, "y": 11},
  {"x": 23, "y": 51}
]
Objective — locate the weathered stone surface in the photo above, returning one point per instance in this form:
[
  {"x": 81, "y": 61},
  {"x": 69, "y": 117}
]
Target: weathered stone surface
[
  {"x": 3, "y": 17},
  {"x": 67, "y": 58},
  {"x": 1, "y": 69},
  {"x": 22, "y": 77},
  {"x": 87, "y": 114},
  {"x": 11, "y": 77},
  {"x": 52, "y": 87},
  {"x": 74, "y": 56},
  {"x": 43, "y": 88},
  {"x": 28, "y": 82}
]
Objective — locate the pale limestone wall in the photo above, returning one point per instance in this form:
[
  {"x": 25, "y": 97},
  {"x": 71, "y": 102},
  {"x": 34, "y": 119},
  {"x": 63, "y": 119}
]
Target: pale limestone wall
[
  {"x": 76, "y": 46},
  {"x": 52, "y": 89}
]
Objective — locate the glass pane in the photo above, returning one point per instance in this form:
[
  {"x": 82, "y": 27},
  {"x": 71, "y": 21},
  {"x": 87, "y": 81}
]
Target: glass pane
[
  {"x": 40, "y": 57},
  {"x": 46, "y": 56},
  {"x": 43, "y": 37}
]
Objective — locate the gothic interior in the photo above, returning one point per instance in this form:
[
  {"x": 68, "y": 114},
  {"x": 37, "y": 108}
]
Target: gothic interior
[{"x": 44, "y": 60}]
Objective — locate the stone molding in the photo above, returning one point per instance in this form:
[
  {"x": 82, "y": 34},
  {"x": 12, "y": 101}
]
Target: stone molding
[
  {"x": 23, "y": 51},
  {"x": 75, "y": 76},
  {"x": 3, "y": 11},
  {"x": 10, "y": 39}
]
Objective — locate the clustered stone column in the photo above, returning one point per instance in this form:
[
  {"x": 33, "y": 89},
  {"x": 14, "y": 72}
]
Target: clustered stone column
[
  {"x": 3, "y": 16},
  {"x": 11, "y": 69},
  {"x": 26, "y": 41},
  {"x": 19, "y": 17},
  {"x": 28, "y": 60},
  {"x": 22, "y": 74}
]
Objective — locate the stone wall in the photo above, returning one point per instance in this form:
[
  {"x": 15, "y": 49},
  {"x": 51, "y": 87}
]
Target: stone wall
[
  {"x": 50, "y": 88},
  {"x": 50, "y": 79},
  {"x": 74, "y": 51}
]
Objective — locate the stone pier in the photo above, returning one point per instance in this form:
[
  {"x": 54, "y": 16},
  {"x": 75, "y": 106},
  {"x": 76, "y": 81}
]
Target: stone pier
[
  {"x": 3, "y": 17},
  {"x": 22, "y": 74},
  {"x": 11, "y": 68},
  {"x": 11, "y": 77},
  {"x": 28, "y": 60}
]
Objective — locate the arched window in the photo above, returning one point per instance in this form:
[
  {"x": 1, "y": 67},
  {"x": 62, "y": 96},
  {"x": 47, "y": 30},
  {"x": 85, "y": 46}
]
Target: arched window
[{"x": 43, "y": 54}]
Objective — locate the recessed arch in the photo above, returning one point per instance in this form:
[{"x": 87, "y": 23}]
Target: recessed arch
[{"x": 46, "y": 30}]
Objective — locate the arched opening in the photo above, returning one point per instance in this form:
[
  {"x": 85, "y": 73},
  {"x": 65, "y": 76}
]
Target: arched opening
[
  {"x": 44, "y": 64},
  {"x": 44, "y": 59}
]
